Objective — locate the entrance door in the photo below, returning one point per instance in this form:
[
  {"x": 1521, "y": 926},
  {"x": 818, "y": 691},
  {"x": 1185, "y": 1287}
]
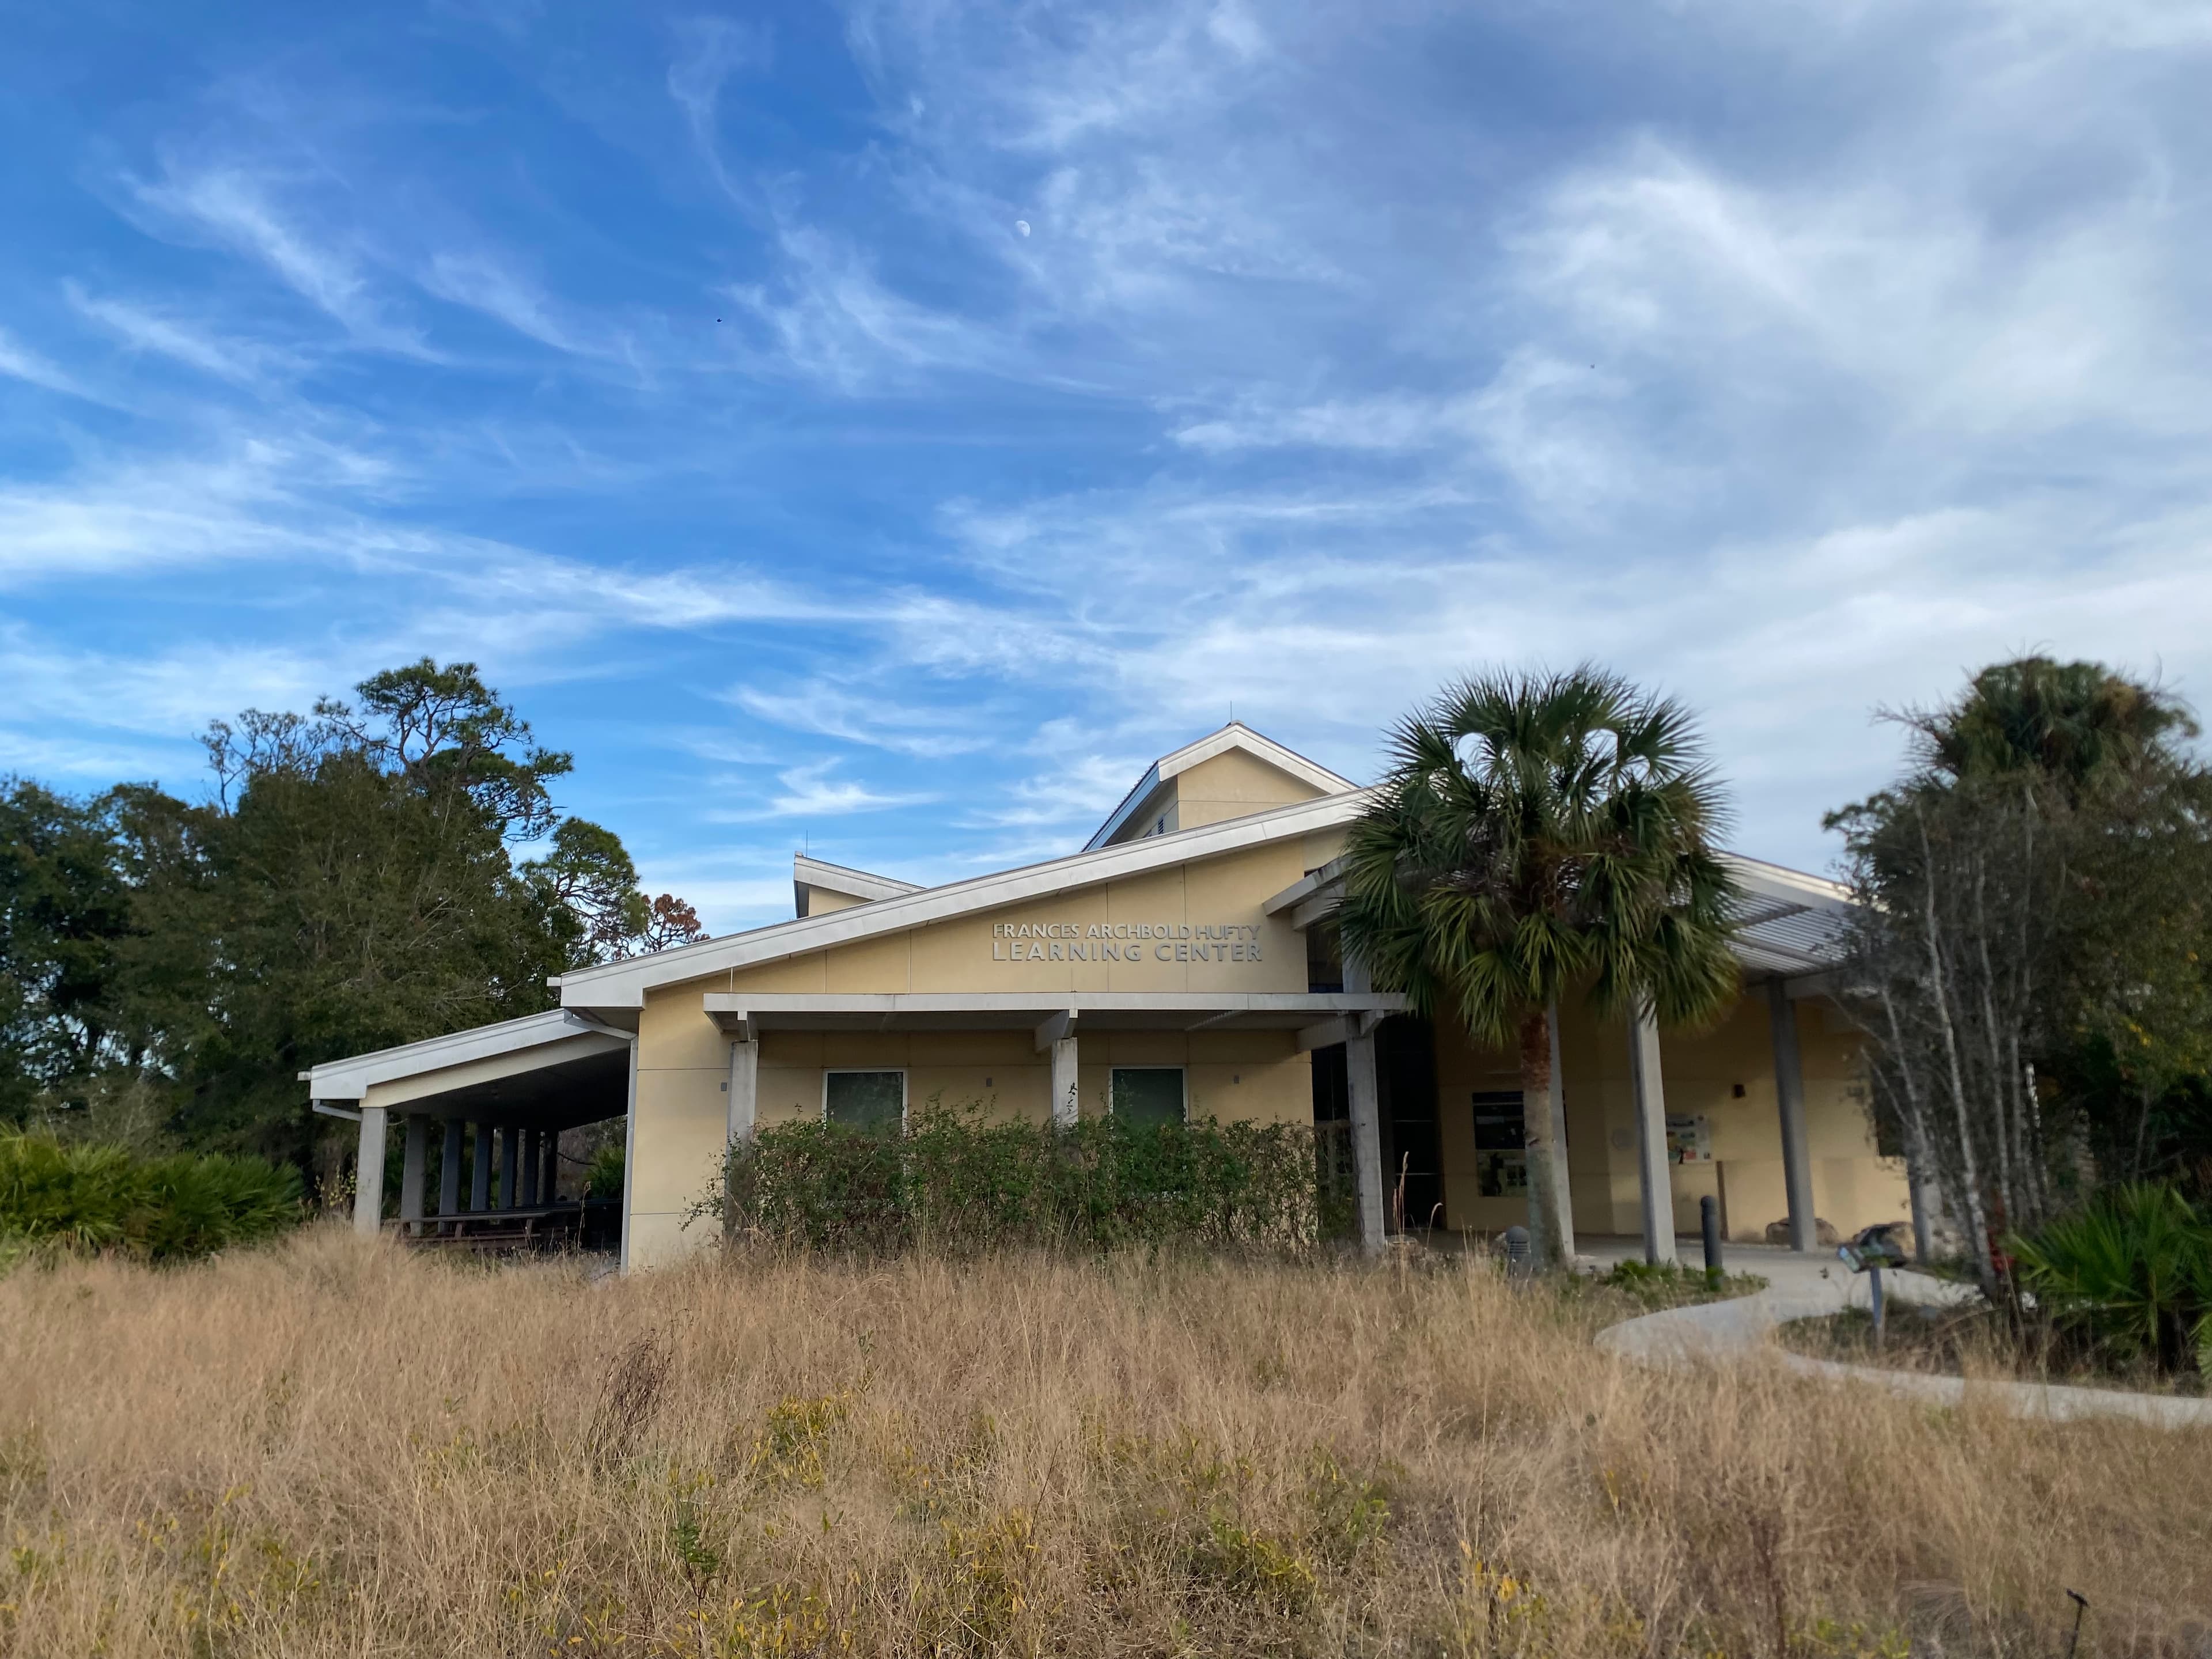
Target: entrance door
[{"x": 1413, "y": 1148}]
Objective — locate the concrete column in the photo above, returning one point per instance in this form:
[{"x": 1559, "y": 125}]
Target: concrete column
[
  {"x": 530, "y": 1162},
  {"x": 480, "y": 1171},
  {"x": 549, "y": 1180},
  {"x": 1651, "y": 1137},
  {"x": 449, "y": 1167},
  {"x": 510, "y": 1165},
  {"x": 1790, "y": 1100},
  {"x": 414, "y": 1171},
  {"x": 1366, "y": 1102},
  {"x": 744, "y": 1101},
  {"x": 745, "y": 1089},
  {"x": 1065, "y": 1105},
  {"x": 1562, "y": 1193},
  {"x": 369, "y": 1173}
]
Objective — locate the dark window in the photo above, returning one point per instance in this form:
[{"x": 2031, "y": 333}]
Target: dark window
[
  {"x": 1413, "y": 1149},
  {"x": 864, "y": 1100},
  {"x": 1501, "y": 1141},
  {"x": 1148, "y": 1093},
  {"x": 1331, "y": 1085},
  {"x": 1324, "y": 959}
]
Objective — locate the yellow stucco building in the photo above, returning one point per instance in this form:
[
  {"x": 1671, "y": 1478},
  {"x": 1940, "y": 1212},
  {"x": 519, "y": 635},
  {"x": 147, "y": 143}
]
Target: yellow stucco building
[{"x": 1184, "y": 963}]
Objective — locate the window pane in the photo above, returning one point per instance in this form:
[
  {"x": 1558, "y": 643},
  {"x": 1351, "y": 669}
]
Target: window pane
[
  {"x": 867, "y": 1100},
  {"x": 1501, "y": 1158},
  {"x": 1148, "y": 1093}
]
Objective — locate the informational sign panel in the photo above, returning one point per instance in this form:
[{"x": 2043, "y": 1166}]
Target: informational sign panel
[{"x": 1689, "y": 1139}]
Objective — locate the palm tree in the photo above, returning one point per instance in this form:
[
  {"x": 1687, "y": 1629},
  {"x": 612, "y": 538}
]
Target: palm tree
[{"x": 1538, "y": 837}]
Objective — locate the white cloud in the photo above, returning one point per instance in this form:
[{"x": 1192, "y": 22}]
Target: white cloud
[
  {"x": 809, "y": 791},
  {"x": 484, "y": 281},
  {"x": 19, "y": 362},
  {"x": 241, "y": 361},
  {"x": 235, "y": 206}
]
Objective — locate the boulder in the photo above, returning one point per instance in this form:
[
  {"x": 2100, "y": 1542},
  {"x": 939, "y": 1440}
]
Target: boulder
[{"x": 1824, "y": 1234}]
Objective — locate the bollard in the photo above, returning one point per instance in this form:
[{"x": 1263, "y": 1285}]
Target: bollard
[{"x": 1709, "y": 1222}]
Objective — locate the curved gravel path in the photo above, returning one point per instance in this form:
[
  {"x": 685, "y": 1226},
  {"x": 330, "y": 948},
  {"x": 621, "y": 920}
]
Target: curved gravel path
[{"x": 1803, "y": 1287}]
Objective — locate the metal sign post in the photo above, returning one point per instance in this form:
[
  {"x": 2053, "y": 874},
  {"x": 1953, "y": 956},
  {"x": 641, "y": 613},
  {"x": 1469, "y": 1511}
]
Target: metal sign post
[{"x": 1869, "y": 1253}]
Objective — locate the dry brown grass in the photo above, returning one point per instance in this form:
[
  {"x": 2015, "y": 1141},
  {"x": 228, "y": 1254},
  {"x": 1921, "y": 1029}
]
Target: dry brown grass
[{"x": 332, "y": 1448}]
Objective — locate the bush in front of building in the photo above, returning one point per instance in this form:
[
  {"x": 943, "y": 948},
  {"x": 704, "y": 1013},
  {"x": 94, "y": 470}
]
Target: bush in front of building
[
  {"x": 55, "y": 1196},
  {"x": 2127, "y": 1278},
  {"x": 953, "y": 1182}
]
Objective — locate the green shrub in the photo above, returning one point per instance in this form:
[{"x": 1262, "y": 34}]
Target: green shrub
[
  {"x": 2131, "y": 1270},
  {"x": 952, "y": 1181},
  {"x": 603, "y": 1177},
  {"x": 54, "y": 1196}
]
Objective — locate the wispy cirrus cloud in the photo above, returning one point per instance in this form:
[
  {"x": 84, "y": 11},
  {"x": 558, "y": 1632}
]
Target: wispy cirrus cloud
[
  {"x": 810, "y": 791},
  {"x": 237, "y": 206},
  {"x": 19, "y": 362},
  {"x": 963, "y": 407},
  {"x": 242, "y": 362}
]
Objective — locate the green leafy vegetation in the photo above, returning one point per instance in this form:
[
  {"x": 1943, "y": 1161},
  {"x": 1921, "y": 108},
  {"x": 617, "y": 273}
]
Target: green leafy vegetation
[
  {"x": 356, "y": 878},
  {"x": 1540, "y": 838},
  {"x": 2032, "y": 951},
  {"x": 2131, "y": 1273},
  {"x": 1672, "y": 1285},
  {"x": 957, "y": 1183},
  {"x": 78, "y": 1198}
]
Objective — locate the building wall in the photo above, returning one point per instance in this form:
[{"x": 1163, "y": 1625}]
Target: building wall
[
  {"x": 1234, "y": 785},
  {"x": 1257, "y": 1075},
  {"x": 821, "y": 901},
  {"x": 1853, "y": 1186},
  {"x": 1206, "y": 932}
]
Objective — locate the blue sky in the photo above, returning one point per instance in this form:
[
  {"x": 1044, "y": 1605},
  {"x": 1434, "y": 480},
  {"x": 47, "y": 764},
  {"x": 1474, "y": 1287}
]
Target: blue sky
[{"x": 890, "y": 426}]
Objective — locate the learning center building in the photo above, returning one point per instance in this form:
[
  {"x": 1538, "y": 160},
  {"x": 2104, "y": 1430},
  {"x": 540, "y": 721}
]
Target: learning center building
[{"x": 1183, "y": 964}]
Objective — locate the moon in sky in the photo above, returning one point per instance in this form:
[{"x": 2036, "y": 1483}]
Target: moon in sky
[{"x": 1023, "y": 226}]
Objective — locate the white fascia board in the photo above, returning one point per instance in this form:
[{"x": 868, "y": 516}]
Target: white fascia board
[
  {"x": 1237, "y": 735},
  {"x": 623, "y": 984},
  {"x": 853, "y": 884},
  {"x": 1234, "y": 735},
  {"x": 349, "y": 1078},
  {"x": 732, "y": 1003}
]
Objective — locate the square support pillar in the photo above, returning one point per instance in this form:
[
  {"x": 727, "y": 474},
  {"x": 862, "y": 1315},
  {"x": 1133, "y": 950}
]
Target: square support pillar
[
  {"x": 1366, "y": 1104},
  {"x": 530, "y": 1160},
  {"x": 449, "y": 1167},
  {"x": 480, "y": 1171},
  {"x": 510, "y": 1165},
  {"x": 369, "y": 1173},
  {"x": 1067, "y": 1107},
  {"x": 414, "y": 1172},
  {"x": 1652, "y": 1163},
  {"x": 549, "y": 1179},
  {"x": 1790, "y": 1104},
  {"x": 743, "y": 1112}
]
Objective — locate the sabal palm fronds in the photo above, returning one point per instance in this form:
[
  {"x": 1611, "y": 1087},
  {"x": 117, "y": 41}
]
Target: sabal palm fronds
[{"x": 1540, "y": 837}]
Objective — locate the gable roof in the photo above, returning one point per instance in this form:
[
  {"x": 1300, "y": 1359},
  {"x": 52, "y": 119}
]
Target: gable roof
[
  {"x": 1234, "y": 735},
  {"x": 813, "y": 872},
  {"x": 623, "y": 985}
]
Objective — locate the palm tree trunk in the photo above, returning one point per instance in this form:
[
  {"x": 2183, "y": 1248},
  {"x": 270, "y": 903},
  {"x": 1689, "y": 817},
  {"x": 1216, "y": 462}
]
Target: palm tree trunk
[{"x": 1546, "y": 1238}]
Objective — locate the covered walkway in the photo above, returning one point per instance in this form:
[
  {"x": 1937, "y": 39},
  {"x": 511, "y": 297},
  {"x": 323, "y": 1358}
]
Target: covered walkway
[{"x": 488, "y": 1107}]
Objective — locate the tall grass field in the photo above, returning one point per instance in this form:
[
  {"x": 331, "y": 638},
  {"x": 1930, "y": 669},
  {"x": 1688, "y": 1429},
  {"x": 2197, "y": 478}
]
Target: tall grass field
[{"x": 324, "y": 1446}]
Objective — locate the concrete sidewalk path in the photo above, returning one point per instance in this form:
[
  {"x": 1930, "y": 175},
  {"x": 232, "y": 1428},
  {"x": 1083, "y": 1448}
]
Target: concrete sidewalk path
[{"x": 1808, "y": 1287}]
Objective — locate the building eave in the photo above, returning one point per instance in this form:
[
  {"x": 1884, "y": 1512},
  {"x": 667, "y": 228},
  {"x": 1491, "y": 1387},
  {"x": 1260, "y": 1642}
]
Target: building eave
[{"x": 623, "y": 985}]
